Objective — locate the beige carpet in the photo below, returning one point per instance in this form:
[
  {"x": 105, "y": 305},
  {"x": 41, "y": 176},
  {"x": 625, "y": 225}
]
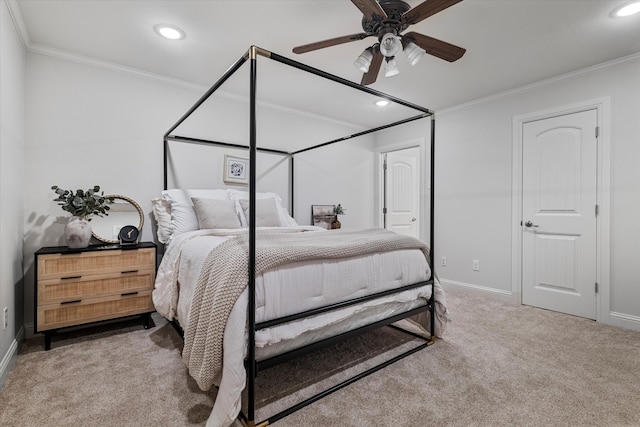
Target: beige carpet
[{"x": 498, "y": 365}]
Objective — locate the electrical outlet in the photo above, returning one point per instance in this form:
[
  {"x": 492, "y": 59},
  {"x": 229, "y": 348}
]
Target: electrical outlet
[
  {"x": 476, "y": 265},
  {"x": 443, "y": 261},
  {"x": 6, "y": 318}
]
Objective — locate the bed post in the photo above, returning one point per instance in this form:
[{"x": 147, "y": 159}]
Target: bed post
[
  {"x": 165, "y": 150},
  {"x": 431, "y": 224},
  {"x": 251, "y": 310},
  {"x": 291, "y": 189}
]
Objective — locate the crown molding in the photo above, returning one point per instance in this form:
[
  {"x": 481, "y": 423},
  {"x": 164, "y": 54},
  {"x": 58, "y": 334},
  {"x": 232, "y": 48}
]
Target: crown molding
[
  {"x": 540, "y": 83},
  {"x": 86, "y": 60},
  {"x": 16, "y": 17}
]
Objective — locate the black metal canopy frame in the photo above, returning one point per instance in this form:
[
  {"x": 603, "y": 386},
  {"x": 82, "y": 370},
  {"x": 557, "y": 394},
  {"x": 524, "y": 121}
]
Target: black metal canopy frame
[{"x": 253, "y": 365}]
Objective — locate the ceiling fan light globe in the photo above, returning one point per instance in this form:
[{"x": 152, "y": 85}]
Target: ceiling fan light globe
[
  {"x": 391, "y": 69},
  {"x": 390, "y": 45},
  {"x": 414, "y": 53},
  {"x": 363, "y": 62}
]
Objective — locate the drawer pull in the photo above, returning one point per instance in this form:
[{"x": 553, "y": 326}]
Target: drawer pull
[
  {"x": 129, "y": 272},
  {"x": 70, "y": 302},
  {"x": 70, "y": 277},
  {"x": 129, "y": 293}
]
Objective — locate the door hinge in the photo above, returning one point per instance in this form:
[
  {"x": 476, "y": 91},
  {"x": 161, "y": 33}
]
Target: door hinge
[
  {"x": 597, "y": 210},
  {"x": 596, "y": 287},
  {"x": 384, "y": 211},
  {"x": 384, "y": 162},
  {"x": 597, "y": 131}
]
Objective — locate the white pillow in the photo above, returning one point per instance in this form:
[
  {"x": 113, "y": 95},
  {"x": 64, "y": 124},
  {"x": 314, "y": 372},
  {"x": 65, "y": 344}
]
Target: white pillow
[
  {"x": 162, "y": 213},
  {"x": 183, "y": 216},
  {"x": 214, "y": 213},
  {"x": 266, "y": 212},
  {"x": 285, "y": 219}
]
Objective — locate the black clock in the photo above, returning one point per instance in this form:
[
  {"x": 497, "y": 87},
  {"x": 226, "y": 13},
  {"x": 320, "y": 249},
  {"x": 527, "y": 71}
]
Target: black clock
[{"x": 128, "y": 235}]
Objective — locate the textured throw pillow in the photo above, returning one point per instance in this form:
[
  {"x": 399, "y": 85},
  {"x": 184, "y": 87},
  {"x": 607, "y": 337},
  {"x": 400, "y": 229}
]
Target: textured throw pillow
[
  {"x": 212, "y": 213},
  {"x": 266, "y": 212},
  {"x": 286, "y": 220},
  {"x": 162, "y": 213},
  {"x": 183, "y": 216}
]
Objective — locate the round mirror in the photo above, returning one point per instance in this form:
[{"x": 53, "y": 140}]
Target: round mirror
[{"x": 123, "y": 211}]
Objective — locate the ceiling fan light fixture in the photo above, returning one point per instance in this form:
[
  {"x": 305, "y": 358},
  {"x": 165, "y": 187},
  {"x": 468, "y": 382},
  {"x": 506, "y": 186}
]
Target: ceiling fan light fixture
[
  {"x": 390, "y": 45},
  {"x": 413, "y": 52},
  {"x": 363, "y": 62},
  {"x": 391, "y": 69}
]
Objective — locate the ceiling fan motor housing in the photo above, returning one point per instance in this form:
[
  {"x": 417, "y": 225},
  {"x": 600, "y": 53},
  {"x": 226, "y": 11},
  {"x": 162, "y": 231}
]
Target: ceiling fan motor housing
[{"x": 380, "y": 25}]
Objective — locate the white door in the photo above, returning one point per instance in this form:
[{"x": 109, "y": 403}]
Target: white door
[
  {"x": 402, "y": 192},
  {"x": 559, "y": 213}
]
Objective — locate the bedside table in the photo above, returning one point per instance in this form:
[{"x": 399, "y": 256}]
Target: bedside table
[{"x": 100, "y": 282}]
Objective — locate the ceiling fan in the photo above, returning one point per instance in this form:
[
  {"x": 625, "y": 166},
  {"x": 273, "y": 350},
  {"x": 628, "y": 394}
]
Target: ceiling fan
[{"x": 386, "y": 20}]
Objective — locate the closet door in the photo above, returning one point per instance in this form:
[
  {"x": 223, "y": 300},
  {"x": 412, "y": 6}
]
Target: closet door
[{"x": 559, "y": 213}]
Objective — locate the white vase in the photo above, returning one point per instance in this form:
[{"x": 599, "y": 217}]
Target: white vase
[{"x": 77, "y": 232}]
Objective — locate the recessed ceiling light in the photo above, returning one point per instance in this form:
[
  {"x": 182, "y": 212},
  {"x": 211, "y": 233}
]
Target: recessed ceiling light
[
  {"x": 381, "y": 102},
  {"x": 628, "y": 9},
  {"x": 170, "y": 32}
]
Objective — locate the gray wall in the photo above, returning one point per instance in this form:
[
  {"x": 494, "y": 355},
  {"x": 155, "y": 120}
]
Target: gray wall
[
  {"x": 12, "y": 69},
  {"x": 474, "y": 182}
]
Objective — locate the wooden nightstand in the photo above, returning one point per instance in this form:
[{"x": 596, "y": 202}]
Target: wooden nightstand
[{"x": 80, "y": 286}]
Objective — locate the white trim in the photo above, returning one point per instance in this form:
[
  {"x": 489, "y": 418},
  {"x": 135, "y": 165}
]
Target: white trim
[
  {"x": 10, "y": 357},
  {"x": 18, "y": 22},
  {"x": 493, "y": 293},
  {"x": 106, "y": 65},
  {"x": 540, "y": 83},
  {"x": 603, "y": 197},
  {"x": 626, "y": 321}
]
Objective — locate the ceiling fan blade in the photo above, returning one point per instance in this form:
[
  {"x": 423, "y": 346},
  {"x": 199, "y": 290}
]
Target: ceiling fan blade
[
  {"x": 371, "y": 75},
  {"x": 330, "y": 42},
  {"x": 371, "y": 9},
  {"x": 425, "y": 10},
  {"x": 435, "y": 47}
]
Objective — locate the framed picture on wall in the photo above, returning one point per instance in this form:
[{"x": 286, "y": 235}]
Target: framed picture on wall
[
  {"x": 236, "y": 170},
  {"x": 322, "y": 215}
]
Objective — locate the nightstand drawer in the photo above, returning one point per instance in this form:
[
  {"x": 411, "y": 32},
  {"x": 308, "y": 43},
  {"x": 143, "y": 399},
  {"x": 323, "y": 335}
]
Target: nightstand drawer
[
  {"x": 71, "y": 313},
  {"x": 71, "y": 265},
  {"x": 96, "y": 285}
]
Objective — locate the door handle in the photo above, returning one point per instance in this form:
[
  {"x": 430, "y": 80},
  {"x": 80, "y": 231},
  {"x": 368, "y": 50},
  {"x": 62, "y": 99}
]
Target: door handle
[
  {"x": 413, "y": 219},
  {"x": 529, "y": 224}
]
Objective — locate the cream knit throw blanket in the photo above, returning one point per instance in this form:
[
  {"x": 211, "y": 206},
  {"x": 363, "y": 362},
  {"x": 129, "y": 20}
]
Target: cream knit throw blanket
[{"x": 225, "y": 275}]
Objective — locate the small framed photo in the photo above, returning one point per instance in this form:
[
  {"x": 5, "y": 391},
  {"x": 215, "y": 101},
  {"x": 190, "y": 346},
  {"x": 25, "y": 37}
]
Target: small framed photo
[
  {"x": 322, "y": 215},
  {"x": 236, "y": 170}
]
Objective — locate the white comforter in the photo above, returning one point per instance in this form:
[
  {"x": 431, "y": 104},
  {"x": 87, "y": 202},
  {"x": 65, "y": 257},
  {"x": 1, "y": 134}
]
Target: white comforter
[{"x": 180, "y": 269}]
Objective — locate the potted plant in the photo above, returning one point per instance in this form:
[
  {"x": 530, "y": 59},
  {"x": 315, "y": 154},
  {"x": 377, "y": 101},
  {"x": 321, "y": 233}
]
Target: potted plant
[
  {"x": 337, "y": 210},
  {"x": 82, "y": 204}
]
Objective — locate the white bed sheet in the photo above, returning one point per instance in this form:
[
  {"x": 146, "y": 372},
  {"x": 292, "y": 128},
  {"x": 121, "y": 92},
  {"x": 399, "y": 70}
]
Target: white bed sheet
[{"x": 283, "y": 291}]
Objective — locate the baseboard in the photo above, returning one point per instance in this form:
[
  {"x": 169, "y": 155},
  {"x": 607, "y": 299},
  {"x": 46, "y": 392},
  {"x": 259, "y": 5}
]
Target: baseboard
[
  {"x": 10, "y": 357},
  {"x": 626, "y": 321},
  {"x": 497, "y": 294}
]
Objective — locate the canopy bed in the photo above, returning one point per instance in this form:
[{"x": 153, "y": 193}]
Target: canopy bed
[{"x": 259, "y": 275}]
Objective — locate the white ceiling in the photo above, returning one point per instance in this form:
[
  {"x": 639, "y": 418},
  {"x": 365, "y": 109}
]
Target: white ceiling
[{"x": 510, "y": 43}]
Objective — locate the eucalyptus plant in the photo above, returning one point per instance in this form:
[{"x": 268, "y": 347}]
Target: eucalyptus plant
[
  {"x": 339, "y": 210},
  {"x": 83, "y": 203}
]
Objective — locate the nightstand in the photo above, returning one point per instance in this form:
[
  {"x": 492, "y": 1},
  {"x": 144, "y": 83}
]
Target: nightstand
[{"x": 97, "y": 283}]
